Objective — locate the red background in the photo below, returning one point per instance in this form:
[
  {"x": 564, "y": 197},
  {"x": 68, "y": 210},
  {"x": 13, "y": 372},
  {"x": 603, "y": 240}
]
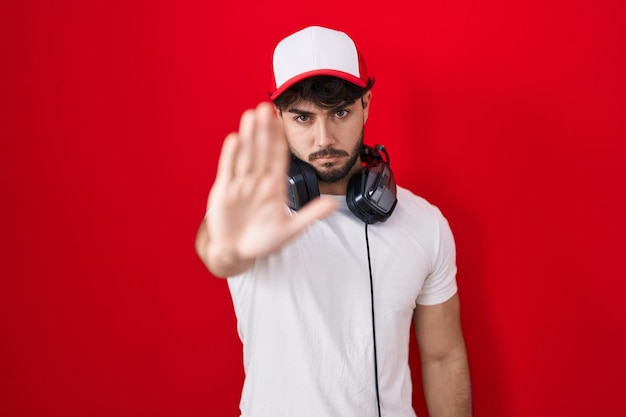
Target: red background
[{"x": 507, "y": 115}]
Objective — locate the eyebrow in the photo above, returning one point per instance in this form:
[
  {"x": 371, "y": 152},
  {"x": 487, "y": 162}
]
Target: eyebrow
[{"x": 300, "y": 112}]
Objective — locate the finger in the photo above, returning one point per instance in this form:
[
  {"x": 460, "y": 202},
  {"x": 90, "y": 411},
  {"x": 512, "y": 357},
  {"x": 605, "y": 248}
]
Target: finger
[
  {"x": 226, "y": 164},
  {"x": 270, "y": 140},
  {"x": 277, "y": 160},
  {"x": 313, "y": 211},
  {"x": 280, "y": 150},
  {"x": 245, "y": 155}
]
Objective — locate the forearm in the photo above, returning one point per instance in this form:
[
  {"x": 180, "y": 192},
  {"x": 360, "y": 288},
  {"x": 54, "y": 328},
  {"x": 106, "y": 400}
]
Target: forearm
[{"x": 447, "y": 386}]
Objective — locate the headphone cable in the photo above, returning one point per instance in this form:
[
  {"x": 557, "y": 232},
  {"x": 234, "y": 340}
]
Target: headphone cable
[{"x": 369, "y": 264}]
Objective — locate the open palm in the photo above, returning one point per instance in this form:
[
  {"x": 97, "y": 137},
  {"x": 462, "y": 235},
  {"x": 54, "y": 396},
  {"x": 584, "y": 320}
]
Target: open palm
[{"x": 247, "y": 213}]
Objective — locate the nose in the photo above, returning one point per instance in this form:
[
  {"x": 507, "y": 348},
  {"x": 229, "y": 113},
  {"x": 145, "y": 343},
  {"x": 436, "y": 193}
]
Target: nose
[{"x": 323, "y": 135}]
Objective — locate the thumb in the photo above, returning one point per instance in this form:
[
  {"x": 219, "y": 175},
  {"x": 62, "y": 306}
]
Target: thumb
[{"x": 316, "y": 209}]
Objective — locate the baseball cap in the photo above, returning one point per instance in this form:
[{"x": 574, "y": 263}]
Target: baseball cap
[{"x": 313, "y": 51}]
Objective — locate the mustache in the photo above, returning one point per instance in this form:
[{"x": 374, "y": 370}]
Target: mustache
[{"x": 327, "y": 152}]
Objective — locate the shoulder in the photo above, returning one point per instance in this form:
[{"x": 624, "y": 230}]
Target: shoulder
[
  {"x": 420, "y": 220},
  {"x": 413, "y": 207}
]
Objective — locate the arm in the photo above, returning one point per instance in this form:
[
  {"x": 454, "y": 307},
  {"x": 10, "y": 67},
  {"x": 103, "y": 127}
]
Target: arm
[
  {"x": 445, "y": 370},
  {"x": 247, "y": 216}
]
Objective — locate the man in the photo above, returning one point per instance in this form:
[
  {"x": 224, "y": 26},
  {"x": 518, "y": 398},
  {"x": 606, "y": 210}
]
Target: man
[{"x": 325, "y": 298}]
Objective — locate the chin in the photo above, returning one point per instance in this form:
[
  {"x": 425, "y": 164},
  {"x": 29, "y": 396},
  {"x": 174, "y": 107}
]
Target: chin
[{"x": 333, "y": 175}]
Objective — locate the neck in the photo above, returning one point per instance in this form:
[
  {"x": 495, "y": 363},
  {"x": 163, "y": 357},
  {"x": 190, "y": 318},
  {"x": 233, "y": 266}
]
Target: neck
[{"x": 335, "y": 188}]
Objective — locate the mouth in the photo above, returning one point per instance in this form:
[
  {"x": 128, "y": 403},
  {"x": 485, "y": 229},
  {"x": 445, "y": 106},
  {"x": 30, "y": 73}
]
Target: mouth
[
  {"x": 326, "y": 159},
  {"x": 327, "y": 156}
]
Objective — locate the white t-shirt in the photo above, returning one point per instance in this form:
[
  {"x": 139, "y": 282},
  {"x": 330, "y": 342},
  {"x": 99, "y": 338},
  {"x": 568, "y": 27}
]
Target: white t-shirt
[{"x": 304, "y": 313}]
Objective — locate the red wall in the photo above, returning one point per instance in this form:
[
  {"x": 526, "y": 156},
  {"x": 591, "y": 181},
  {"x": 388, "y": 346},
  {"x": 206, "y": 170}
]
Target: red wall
[{"x": 508, "y": 115}]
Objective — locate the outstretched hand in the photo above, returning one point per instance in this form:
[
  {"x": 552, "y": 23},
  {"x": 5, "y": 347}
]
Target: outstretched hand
[{"x": 247, "y": 213}]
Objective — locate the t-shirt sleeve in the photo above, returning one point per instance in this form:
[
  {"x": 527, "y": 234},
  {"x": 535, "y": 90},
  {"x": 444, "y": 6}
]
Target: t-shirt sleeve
[{"x": 440, "y": 285}]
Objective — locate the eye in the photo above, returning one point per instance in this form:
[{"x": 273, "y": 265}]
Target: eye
[
  {"x": 340, "y": 114},
  {"x": 302, "y": 118}
]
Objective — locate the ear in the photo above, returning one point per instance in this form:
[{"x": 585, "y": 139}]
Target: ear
[
  {"x": 278, "y": 112},
  {"x": 366, "y": 100}
]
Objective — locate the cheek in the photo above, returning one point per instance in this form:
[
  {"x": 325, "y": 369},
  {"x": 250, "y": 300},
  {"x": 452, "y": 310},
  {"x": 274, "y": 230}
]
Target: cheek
[
  {"x": 297, "y": 144},
  {"x": 351, "y": 132},
  {"x": 297, "y": 136}
]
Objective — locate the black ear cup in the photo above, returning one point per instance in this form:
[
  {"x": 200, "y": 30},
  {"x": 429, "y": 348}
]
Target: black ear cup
[
  {"x": 302, "y": 184},
  {"x": 371, "y": 194}
]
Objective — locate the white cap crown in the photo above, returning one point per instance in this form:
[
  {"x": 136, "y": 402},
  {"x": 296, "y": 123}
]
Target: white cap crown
[{"x": 313, "y": 51}]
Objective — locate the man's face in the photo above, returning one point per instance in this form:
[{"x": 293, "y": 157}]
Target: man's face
[{"x": 328, "y": 139}]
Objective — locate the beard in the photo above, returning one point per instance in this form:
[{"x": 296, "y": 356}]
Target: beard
[{"x": 331, "y": 174}]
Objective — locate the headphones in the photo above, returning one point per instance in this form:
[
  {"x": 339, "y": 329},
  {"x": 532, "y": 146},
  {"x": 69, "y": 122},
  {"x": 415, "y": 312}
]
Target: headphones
[{"x": 371, "y": 194}]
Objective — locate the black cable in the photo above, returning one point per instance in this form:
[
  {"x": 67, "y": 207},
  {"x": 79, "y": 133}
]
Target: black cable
[{"x": 369, "y": 264}]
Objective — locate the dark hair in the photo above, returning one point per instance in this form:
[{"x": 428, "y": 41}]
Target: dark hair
[{"x": 324, "y": 91}]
